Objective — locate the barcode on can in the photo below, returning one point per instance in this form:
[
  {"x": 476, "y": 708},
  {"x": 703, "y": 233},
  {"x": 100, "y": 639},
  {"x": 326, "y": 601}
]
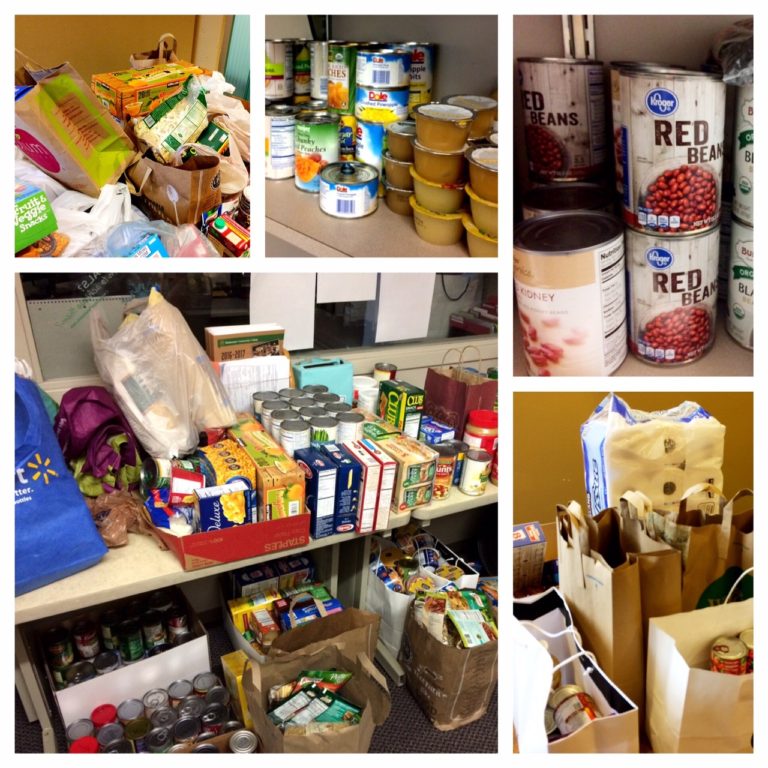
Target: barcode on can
[
  {"x": 346, "y": 207},
  {"x": 381, "y": 77}
]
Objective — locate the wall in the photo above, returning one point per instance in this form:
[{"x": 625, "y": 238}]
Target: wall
[
  {"x": 548, "y": 467},
  {"x": 276, "y": 27}
]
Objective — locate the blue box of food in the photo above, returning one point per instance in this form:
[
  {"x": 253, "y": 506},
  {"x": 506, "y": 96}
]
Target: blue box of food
[
  {"x": 348, "y": 479},
  {"x": 431, "y": 431},
  {"x": 222, "y": 506},
  {"x": 320, "y": 494}
]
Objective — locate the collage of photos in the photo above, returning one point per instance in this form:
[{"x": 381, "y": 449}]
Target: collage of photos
[{"x": 267, "y": 506}]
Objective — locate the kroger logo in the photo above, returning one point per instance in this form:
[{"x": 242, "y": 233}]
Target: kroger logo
[
  {"x": 660, "y": 101},
  {"x": 658, "y": 258}
]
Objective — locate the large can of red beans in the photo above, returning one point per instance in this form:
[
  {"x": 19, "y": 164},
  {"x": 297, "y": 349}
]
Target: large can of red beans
[
  {"x": 672, "y": 284},
  {"x": 673, "y": 126},
  {"x": 564, "y": 117}
]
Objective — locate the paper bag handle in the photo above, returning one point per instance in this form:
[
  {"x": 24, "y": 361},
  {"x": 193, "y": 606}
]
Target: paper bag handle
[
  {"x": 635, "y": 505},
  {"x": 566, "y": 518},
  {"x": 727, "y": 512},
  {"x": 448, "y": 352},
  {"x": 568, "y": 630},
  {"x": 698, "y": 488},
  {"x": 162, "y": 47},
  {"x": 744, "y": 573},
  {"x": 588, "y": 654}
]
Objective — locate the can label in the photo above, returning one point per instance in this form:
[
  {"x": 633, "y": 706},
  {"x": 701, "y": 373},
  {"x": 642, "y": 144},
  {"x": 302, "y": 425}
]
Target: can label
[
  {"x": 672, "y": 295},
  {"x": 422, "y": 67},
  {"x": 381, "y": 105},
  {"x": 349, "y": 431},
  {"x": 572, "y": 309},
  {"x": 383, "y": 70},
  {"x": 301, "y": 70},
  {"x": 280, "y": 161},
  {"x": 349, "y": 201},
  {"x": 564, "y": 118},
  {"x": 291, "y": 441},
  {"x": 341, "y": 78},
  {"x": 418, "y": 94},
  {"x": 371, "y": 143},
  {"x": 474, "y": 476},
  {"x": 672, "y": 151},
  {"x": 744, "y": 155},
  {"x": 317, "y": 145},
  {"x": 739, "y": 322},
  {"x": 318, "y": 63},
  {"x": 278, "y": 70},
  {"x": 443, "y": 476},
  {"x": 347, "y": 137}
]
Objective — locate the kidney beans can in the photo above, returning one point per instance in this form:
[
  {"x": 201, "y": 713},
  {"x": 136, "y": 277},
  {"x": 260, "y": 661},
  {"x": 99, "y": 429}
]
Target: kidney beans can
[
  {"x": 564, "y": 117},
  {"x": 740, "y": 318},
  {"x": 384, "y": 68},
  {"x": 672, "y": 284},
  {"x": 317, "y": 145},
  {"x": 558, "y": 198},
  {"x": 279, "y": 134},
  {"x": 342, "y": 58},
  {"x": 673, "y": 126},
  {"x": 349, "y": 190},
  {"x": 318, "y": 66},
  {"x": 570, "y": 289},
  {"x": 278, "y": 71},
  {"x": 744, "y": 154}
]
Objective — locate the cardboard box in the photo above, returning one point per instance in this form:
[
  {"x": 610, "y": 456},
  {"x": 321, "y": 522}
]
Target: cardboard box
[
  {"x": 233, "y": 664},
  {"x": 239, "y": 342},
  {"x": 370, "y": 486},
  {"x": 415, "y": 478},
  {"x": 226, "y": 461},
  {"x": 222, "y": 506},
  {"x": 528, "y": 547},
  {"x": 432, "y": 432},
  {"x": 401, "y": 404},
  {"x": 130, "y": 93},
  {"x": 348, "y": 474},
  {"x": 33, "y": 218},
  {"x": 387, "y": 484},
  {"x": 254, "y": 579},
  {"x": 379, "y": 430},
  {"x": 240, "y": 607},
  {"x": 320, "y": 489}
]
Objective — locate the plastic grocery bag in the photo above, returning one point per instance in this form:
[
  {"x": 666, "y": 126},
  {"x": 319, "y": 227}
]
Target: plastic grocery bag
[
  {"x": 220, "y": 102},
  {"x": 54, "y": 533},
  {"x": 659, "y": 453},
  {"x": 161, "y": 378}
]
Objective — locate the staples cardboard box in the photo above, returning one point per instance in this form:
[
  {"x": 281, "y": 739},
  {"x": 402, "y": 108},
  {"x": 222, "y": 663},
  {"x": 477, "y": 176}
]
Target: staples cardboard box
[{"x": 239, "y": 342}]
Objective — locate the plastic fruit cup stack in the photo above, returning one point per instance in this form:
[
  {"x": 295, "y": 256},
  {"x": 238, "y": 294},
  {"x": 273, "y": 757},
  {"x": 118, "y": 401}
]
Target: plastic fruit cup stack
[
  {"x": 439, "y": 171},
  {"x": 483, "y": 191},
  {"x": 398, "y": 161}
]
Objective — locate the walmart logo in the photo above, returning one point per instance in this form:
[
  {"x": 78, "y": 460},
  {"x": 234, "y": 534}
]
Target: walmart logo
[{"x": 41, "y": 469}]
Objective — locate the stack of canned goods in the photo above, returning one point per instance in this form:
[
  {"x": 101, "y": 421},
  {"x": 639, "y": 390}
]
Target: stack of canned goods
[
  {"x": 734, "y": 655},
  {"x": 124, "y": 635},
  {"x": 168, "y": 719}
]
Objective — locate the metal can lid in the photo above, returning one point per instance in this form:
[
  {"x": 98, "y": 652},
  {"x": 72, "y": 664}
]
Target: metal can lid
[
  {"x": 294, "y": 425},
  {"x": 218, "y": 695},
  {"x": 109, "y": 732},
  {"x": 156, "y": 698},
  {"x": 80, "y": 728},
  {"x": 326, "y": 397},
  {"x": 79, "y": 672},
  {"x": 556, "y": 60},
  {"x": 559, "y": 695},
  {"x": 643, "y": 65},
  {"x": 179, "y": 748},
  {"x": 232, "y": 725},
  {"x": 186, "y": 729},
  {"x": 191, "y": 706},
  {"x": 282, "y": 110},
  {"x": 243, "y": 741},
  {"x": 215, "y": 714},
  {"x": 338, "y": 407},
  {"x": 319, "y": 117},
  {"x": 119, "y": 746},
  {"x": 183, "y": 637},
  {"x": 284, "y": 413},
  {"x": 314, "y": 389},
  {"x": 550, "y": 726},
  {"x": 265, "y": 395},
  {"x": 204, "y": 681},
  {"x": 130, "y": 709},
  {"x": 385, "y": 367},
  {"x": 323, "y": 422},
  {"x": 402, "y": 127},
  {"x": 161, "y": 600},
  {"x": 445, "y": 449},
  {"x": 165, "y": 716},
  {"x": 672, "y": 72},
  {"x": 748, "y": 638},
  {"x": 206, "y": 748},
  {"x": 106, "y": 661},
  {"x": 301, "y": 402},
  {"x": 729, "y": 649},
  {"x": 180, "y": 689},
  {"x": 350, "y": 417},
  {"x": 566, "y": 232},
  {"x": 349, "y": 172},
  {"x": 288, "y": 393},
  {"x": 158, "y": 739},
  {"x": 567, "y": 197},
  {"x": 312, "y": 412},
  {"x": 476, "y": 454},
  {"x": 137, "y": 728},
  {"x": 151, "y": 618}
]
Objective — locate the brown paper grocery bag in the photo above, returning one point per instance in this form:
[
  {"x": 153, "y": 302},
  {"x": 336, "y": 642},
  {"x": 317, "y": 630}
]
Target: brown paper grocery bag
[
  {"x": 367, "y": 688},
  {"x": 742, "y": 553},
  {"x": 178, "y": 195},
  {"x": 164, "y": 53}
]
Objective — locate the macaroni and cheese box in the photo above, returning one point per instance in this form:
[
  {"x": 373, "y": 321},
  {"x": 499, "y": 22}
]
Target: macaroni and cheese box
[
  {"x": 222, "y": 506},
  {"x": 226, "y": 462}
]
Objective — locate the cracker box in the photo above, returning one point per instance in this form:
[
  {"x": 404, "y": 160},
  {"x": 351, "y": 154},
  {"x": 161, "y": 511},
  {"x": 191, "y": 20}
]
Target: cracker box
[
  {"x": 320, "y": 489},
  {"x": 240, "y": 342},
  {"x": 254, "y": 579},
  {"x": 370, "y": 486},
  {"x": 388, "y": 473},
  {"x": 130, "y": 93},
  {"x": 347, "y": 487},
  {"x": 416, "y": 464},
  {"x": 379, "y": 429},
  {"x": 432, "y": 432},
  {"x": 222, "y": 506},
  {"x": 401, "y": 404},
  {"x": 34, "y": 217}
]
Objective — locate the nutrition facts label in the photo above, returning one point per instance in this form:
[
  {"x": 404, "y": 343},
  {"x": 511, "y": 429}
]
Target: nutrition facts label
[{"x": 614, "y": 305}]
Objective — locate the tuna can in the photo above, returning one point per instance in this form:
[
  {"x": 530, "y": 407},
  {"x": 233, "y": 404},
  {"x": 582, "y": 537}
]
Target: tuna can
[
  {"x": 740, "y": 318},
  {"x": 349, "y": 190},
  {"x": 381, "y": 105},
  {"x": 268, "y": 407},
  {"x": 564, "y": 117},
  {"x": 673, "y": 125},
  {"x": 347, "y": 137},
  {"x": 384, "y": 68},
  {"x": 325, "y": 429},
  {"x": 79, "y": 729},
  {"x": 571, "y": 301},
  {"x": 311, "y": 412},
  {"x": 258, "y": 399},
  {"x": 86, "y": 636},
  {"x": 155, "y": 699},
  {"x": 179, "y": 690},
  {"x": 559, "y": 198},
  {"x": 350, "y": 426},
  {"x": 279, "y": 134},
  {"x": 446, "y": 464},
  {"x": 318, "y": 69},
  {"x": 371, "y": 143},
  {"x": 421, "y": 73},
  {"x": 278, "y": 72},
  {"x": 294, "y": 434},
  {"x": 729, "y": 655},
  {"x": 159, "y": 740},
  {"x": 109, "y": 733},
  {"x": 278, "y": 417},
  {"x": 203, "y": 682},
  {"x": 163, "y": 717},
  {"x": 573, "y": 708},
  {"x": 342, "y": 58},
  {"x": 130, "y": 709},
  {"x": 302, "y": 68},
  {"x": 672, "y": 284},
  {"x": 475, "y": 472},
  {"x": 317, "y": 145},
  {"x": 314, "y": 105},
  {"x": 326, "y": 398},
  {"x": 744, "y": 155},
  {"x": 243, "y": 742}
]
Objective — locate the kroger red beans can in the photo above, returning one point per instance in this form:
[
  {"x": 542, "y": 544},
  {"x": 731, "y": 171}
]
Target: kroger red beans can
[
  {"x": 564, "y": 117},
  {"x": 672, "y": 295},
  {"x": 673, "y": 126},
  {"x": 569, "y": 284}
]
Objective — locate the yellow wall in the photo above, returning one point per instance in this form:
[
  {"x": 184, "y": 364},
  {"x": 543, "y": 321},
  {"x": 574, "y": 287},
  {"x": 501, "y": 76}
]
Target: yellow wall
[
  {"x": 94, "y": 44},
  {"x": 548, "y": 467}
]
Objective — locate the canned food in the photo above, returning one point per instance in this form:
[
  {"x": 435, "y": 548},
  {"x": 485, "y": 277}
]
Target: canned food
[
  {"x": 232, "y": 725},
  {"x": 131, "y": 641},
  {"x": 384, "y": 371},
  {"x": 748, "y": 638},
  {"x": 130, "y": 709},
  {"x": 564, "y": 117},
  {"x": 277, "y": 419},
  {"x": 384, "y": 68},
  {"x": 278, "y": 74},
  {"x": 179, "y": 690},
  {"x": 153, "y": 629},
  {"x": 177, "y": 622},
  {"x": 347, "y": 137},
  {"x": 294, "y": 434},
  {"x": 103, "y": 714},
  {"x": 106, "y": 661},
  {"x": 318, "y": 66},
  {"x": 155, "y": 699},
  {"x": 58, "y": 647},
  {"x": 569, "y": 284},
  {"x": 371, "y": 143},
  {"x": 108, "y": 623},
  {"x": 350, "y": 426},
  {"x": 206, "y": 748},
  {"x": 474, "y": 475},
  {"x": 336, "y": 408},
  {"x": 573, "y": 708},
  {"x": 186, "y": 729},
  {"x": 136, "y": 733},
  {"x": 279, "y": 134},
  {"x": 218, "y": 695},
  {"x": 381, "y": 105},
  {"x": 267, "y": 408},
  {"x": 317, "y": 145},
  {"x": 326, "y": 398},
  {"x": 79, "y": 729},
  {"x": 740, "y": 318},
  {"x": 673, "y": 126},
  {"x": 421, "y": 73},
  {"x": 120, "y": 746},
  {"x": 79, "y": 672},
  {"x": 242, "y": 742},
  {"x": 744, "y": 154},
  {"x": 86, "y": 636},
  {"x": 349, "y": 190},
  {"x": 213, "y": 718},
  {"x": 159, "y": 740},
  {"x": 729, "y": 655},
  {"x": 164, "y": 716},
  {"x": 302, "y": 68},
  {"x": 313, "y": 412},
  {"x": 461, "y": 450},
  {"x": 314, "y": 389},
  {"x": 446, "y": 463},
  {"x": 160, "y": 600},
  {"x": 342, "y": 58},
  {"x": 559, "y": 198},
  {"x": 109, "y": 733},
  {"x": 325, "y": 429},
  {"x": 550, "y": 726},
  {"x": 203, "y": 682},
  {"x": 407, "y": 567},
  {"x": 183, "y": 637},
  {"x": 672, "y": 285},
  {"x": 297, "y": 403},
  {"x": 87, "y": 745},
  {"x": 288, "y": 393}
]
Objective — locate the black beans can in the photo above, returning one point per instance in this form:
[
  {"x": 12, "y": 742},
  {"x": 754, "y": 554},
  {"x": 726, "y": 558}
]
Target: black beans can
[{"x": 131, "y": 641}]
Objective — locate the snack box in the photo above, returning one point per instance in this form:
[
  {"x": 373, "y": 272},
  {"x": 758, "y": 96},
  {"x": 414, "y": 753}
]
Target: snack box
[
  {"x": 432, "y": 432},
  {"x": 348, "y": 477},
  {"x": 131, "y": 93},
  {"x": 320, "y": 473},
  {"x": 226, "y": 462},
  {"x": 415, "y": 471},
  {"x": 33, "y": 218},
  {"x": 370, "y": 486},
  {"x": 240, "y": 607},
  {"x": 401, "y": 404},
  {"x": 387, "y": 485},
  {"x": 378, "y": 430},
  {"x": 229, "y": 238},
  {"x": 240, "y": 342}
]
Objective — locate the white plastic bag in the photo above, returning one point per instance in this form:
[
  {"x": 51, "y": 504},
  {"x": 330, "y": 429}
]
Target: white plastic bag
[
  {"x": 238, "y": 117},
  {"x": 183, "y": 241},
  {"x": 161, "y": 378}
]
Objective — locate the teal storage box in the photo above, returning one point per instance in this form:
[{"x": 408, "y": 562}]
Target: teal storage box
[{"x": 334, "y": 373}]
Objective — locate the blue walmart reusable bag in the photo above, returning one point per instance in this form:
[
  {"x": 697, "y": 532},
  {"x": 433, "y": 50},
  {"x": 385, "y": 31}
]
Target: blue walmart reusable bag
[{"x": 55, "y": 534}]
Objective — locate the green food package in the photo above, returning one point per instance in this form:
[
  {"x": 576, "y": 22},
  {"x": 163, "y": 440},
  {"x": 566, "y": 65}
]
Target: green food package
[{"x": 34, "y": 217}]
